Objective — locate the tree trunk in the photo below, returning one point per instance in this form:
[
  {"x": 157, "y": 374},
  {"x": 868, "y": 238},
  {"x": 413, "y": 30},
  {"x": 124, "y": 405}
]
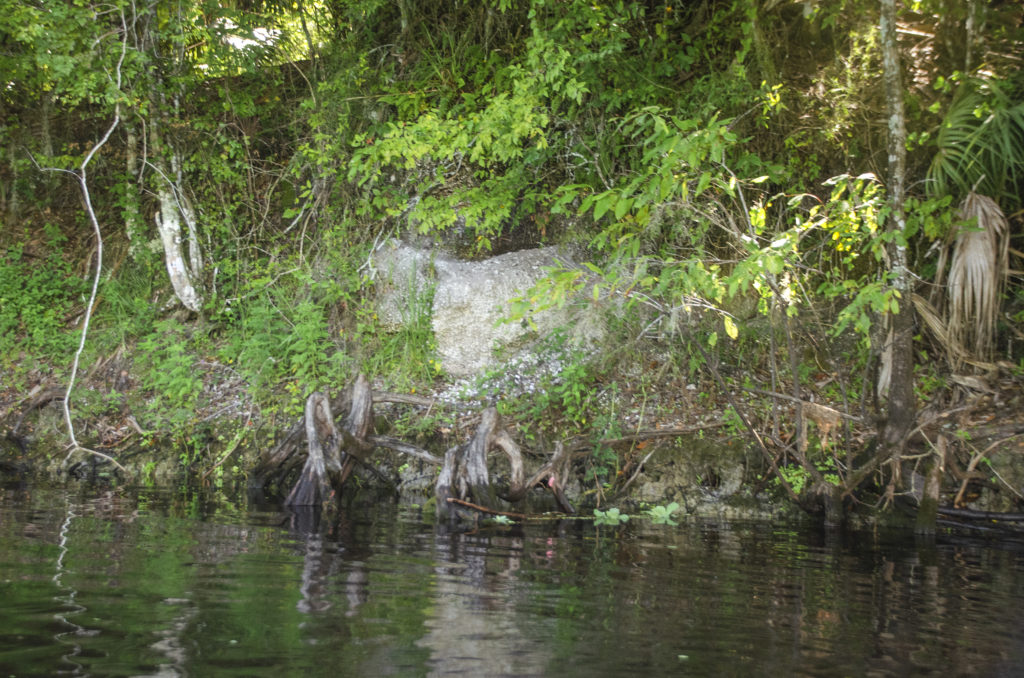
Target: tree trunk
[
  {"x": 133, "y": 221},
  {"x": 174, "y": 213},
  {"x": 175, "y": 217},
  {"x": 901, "y": 408}
]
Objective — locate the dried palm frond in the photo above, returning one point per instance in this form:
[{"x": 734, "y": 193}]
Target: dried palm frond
[
  {"x": 938, "y": 326},
  {"x": 976, "y": 277}
]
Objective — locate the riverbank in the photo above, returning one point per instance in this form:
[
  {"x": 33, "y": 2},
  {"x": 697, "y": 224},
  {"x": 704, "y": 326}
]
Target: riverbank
[{"x": 674, "y": 443}]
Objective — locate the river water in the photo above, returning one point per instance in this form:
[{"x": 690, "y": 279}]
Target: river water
[{"x": 161, "y": 583}]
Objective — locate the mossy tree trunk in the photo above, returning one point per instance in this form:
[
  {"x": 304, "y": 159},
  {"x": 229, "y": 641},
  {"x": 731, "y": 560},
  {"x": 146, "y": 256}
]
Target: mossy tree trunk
[{"x": 899, "y": 350}]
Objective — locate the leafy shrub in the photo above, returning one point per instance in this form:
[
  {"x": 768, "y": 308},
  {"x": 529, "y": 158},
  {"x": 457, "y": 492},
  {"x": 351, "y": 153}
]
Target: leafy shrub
[
  {"x": 167, "y": 365},
  {"x": 36, "y": 300}
]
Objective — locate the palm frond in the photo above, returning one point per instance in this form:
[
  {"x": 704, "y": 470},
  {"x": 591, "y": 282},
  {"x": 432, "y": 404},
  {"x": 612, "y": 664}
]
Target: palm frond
[{"x": 980, "y": 144}]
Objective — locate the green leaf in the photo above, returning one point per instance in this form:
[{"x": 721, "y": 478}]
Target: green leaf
[
  {"x": 730, "y": 327},
  {"x": 621, "y": 207},
  {"x": 603, "y": 204},
  {"x": 703, "y": 182}
]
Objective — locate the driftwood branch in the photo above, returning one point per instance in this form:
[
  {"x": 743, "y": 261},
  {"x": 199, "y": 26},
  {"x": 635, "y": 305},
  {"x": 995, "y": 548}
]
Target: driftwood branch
[
  {"x": 489, "y": 511},
  {"x": 801, "y": 401},
  {"x": 583, "y": 444},
  {"x": 405, "y": 448},
  {"x": 989, "y": 516}
]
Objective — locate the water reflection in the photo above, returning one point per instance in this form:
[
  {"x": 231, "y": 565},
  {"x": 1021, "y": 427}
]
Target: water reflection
[
  {"x": 472, "y": 628},
  {"x": 173, "y": 585},
  {"x": 327, "y": 550},
  {"x": 67, "y": 596}
]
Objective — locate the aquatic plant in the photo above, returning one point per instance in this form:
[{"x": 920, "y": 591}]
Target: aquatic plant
[
  {"x": 610, "y": 517},
  {"x": 662, "y": 515}
]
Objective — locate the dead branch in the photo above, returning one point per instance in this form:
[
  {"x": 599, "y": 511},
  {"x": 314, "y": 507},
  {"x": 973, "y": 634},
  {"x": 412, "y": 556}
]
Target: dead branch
[
  {"x": 404, "y": 448},
  {"x": 581, "y": 444},
  {"x": 805, "y": 403},
  {"x": 489, "y": 511}
]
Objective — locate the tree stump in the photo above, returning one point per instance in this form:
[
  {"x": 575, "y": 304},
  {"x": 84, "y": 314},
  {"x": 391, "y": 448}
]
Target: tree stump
[
  {"x": 332, "y": 451},
  {"x": 464, "y": 475}
]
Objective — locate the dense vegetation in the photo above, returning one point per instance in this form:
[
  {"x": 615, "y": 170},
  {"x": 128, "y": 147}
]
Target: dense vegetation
[{"x": 772, "y": 196}]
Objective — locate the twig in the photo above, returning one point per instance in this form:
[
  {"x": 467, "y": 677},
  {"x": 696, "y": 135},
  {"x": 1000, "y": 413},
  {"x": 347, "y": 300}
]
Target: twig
[
  {"x": 490, "y": 511},
  {"x": 96, "y": 453},
  {"x": 647, "y": 434},
  {"x": 405, "y": 398},
  {"x": 784, "y": 396},
  {"x": 235, "y": 442},
  {"x": 639, "y": 468},
  {"x": 975, "y": 460}
]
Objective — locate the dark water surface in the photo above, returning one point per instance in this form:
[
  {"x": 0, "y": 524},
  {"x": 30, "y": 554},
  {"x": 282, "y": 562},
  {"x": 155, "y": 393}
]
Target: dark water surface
[{"x": 169, "y": 584}]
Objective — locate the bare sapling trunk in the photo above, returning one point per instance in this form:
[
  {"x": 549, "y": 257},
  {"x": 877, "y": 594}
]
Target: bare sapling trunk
[
  {"x": 83, "y": 184},
  {"x": 175, "y": 221}
]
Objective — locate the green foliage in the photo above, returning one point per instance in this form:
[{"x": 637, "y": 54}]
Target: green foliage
[
  {"x": 279, "y": 341},
  {"x": 603, "y": 465},
  {"x": 566, "y": 385},
  {"x": 853, "y": 220},
  {"x": 612, "y": 517},
  {"x": 795, "y": 476},
  {"x": 166, "y": 360},
  {"x": 733, "y": 422},
  {"x": 125, "y": 311},
  {"x": 662, "y": 515},
  {"x": 406, "y": 355},
  {"x": 680, "y": 147},
  {"x": 980, "y": 143},
  {"x": 36, "y": 302},
  {"x": 59, "y": 48}
]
